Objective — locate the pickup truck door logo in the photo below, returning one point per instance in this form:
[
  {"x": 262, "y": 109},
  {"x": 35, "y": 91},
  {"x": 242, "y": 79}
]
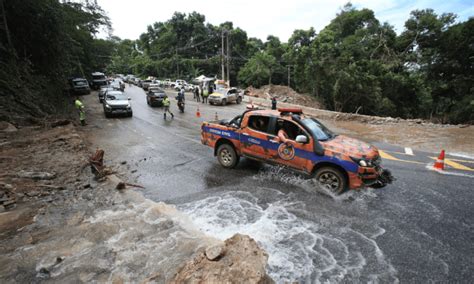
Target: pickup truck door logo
[{"x": 286, "y": 151}]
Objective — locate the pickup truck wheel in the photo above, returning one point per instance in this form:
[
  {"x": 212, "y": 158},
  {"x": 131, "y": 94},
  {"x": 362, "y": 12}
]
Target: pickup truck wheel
[
  {"x": 224, "y": 102},
  {"x": 227, "y": 156},
  {"x": 239, "y": 100},
  {"x": 332, "y": 179}
]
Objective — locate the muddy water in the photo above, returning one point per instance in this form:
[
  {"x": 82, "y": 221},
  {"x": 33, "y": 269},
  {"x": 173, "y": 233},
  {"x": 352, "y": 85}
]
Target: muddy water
[
  {"x": 102, "y": 236},
  {"x": 302, "y": 246}
]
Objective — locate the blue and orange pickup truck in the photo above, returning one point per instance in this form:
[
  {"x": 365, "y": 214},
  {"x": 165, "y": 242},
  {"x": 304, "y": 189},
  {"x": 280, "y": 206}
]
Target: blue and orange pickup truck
[{"x": 337, "y": 162}]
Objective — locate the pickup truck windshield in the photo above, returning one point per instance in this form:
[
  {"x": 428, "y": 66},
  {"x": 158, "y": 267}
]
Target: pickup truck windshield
[{"x": 318, "y": 129}]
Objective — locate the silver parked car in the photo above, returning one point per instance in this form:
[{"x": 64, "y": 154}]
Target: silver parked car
[{"x": 117, "y": 103}]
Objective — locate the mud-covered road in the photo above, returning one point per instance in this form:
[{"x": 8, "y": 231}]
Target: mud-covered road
[{"x": 416, "y": 230}]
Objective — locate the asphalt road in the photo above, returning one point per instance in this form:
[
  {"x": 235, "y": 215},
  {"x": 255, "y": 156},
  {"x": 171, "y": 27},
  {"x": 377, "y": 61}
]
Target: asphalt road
[{"x": 418, "y": 229}]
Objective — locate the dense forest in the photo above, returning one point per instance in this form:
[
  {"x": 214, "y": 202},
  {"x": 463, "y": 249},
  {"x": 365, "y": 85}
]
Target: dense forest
[
  {"x": 354, "y": 64},
  {"x": 42, "y": 44}
]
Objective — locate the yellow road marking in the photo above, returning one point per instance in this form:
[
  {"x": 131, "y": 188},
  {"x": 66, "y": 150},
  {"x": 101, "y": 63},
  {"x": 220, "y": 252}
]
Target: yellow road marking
[
  {"x": 455, "y": 165},
  {"x": 394, "y": 152},
  {"x": 463, "y": 161},
  {"x": 384, "y": 155}
]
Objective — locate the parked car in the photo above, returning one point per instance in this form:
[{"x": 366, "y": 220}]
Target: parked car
[
  {"x": 166, "y": 82},
  {"x": 178, "y": 82},
  {"x": 104, "y": 91},
  {"x": 79, "y": 86},
  {"x": 153, "y": 86},
  {"x": 117, "y": 103},
  {"x": 98, "y": 80},
  {"x": 155, "y": 96},
  {"x": 225, "y": 96},
  {"x": 146, "y": 84},
  {"x": 337, "y": 162},
  {"x": 118, "y": 84}
]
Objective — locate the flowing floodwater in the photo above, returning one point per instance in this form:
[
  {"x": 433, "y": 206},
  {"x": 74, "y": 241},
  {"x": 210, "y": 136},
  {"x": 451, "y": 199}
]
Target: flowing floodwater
[
  {"x": 300, "y": 249},
  {"x": 127, "y": 241}
]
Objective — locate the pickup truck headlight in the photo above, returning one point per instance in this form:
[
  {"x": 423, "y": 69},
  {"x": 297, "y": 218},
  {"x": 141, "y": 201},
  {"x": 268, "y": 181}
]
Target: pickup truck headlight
[
  {"x": 362, "y": 162},
  {"x": 107, "y": 106}
]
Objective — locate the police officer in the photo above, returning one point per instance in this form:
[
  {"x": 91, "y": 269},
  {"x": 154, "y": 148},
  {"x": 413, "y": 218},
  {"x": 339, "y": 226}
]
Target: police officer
[
  {"x": 274, "y": 103},
  {"x": 166, "y": 104},
  {"x": 82, "y": 113}
]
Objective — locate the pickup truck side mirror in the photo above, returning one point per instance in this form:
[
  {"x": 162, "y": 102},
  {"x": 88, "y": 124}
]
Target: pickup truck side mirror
[{"x": 301, "y": 139}]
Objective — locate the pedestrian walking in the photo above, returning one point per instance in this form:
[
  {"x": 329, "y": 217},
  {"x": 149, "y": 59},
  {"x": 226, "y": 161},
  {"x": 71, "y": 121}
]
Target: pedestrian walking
[
  {"x": 166, "y": 105},
  {"x": 274, "y": 103},
  {"x": 196, "y": 94},
  {"x": 82, "y": 113}
]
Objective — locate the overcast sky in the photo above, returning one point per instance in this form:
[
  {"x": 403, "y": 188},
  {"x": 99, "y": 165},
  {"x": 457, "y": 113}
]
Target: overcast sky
[{"x": 260, "y": 18}]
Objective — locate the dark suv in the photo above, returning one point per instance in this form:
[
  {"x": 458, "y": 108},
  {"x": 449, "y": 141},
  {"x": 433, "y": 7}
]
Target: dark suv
[
  {"x": 98, "y": 80},
  {"x": 79, "y": 86}
]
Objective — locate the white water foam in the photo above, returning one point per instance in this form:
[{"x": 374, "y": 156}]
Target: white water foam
[
  {"x": 282, "y": 174},
  {"x": 462, "y": 155},
  {"x": 299, "y": 249},
  {"x": 431, "y": 168}
]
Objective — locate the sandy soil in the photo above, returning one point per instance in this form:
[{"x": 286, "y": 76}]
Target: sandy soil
[{"x": 415, "y": 133}]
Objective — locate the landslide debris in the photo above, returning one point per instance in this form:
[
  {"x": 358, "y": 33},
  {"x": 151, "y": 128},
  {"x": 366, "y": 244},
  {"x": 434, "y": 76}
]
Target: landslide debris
[
  {"x": 238, "y": 260},
  {"x": 61, "y": 223},
  {"x": 283, "y": 94}
]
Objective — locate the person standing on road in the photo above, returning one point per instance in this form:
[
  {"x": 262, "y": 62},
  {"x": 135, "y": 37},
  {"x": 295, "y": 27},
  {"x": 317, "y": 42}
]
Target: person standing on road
[
  {"x": 82, "y": 113},
  {"x": 274, "y": 103},
  {"x": 206, "y": 94},
  {"x": 201, "y": 90},
  {"x": 166, "y": 105},
  {"x": 197, "y": 94}
]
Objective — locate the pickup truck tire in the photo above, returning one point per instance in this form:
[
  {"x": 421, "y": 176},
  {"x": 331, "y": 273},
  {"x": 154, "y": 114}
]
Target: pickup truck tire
[
  {"x": 224, "y": 102},
  {"x": 332, "y": 179},
  {"x": 227, "y": 156},
  {"x": 239, "y": 100}
]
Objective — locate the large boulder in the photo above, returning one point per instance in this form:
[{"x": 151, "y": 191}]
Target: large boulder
[{"x": 238, "y": 260}]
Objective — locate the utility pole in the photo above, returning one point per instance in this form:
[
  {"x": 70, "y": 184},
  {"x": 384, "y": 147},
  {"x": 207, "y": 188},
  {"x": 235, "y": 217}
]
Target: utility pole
[
  {"x": 222, "y": 55},
  {"x": 228, "y": 59},
  {"x": 177, "y": 63},
  {"x": 289, "y": 76}
]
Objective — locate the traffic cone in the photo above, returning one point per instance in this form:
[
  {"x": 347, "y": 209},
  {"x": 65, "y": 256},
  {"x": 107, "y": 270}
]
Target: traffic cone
[
  {"x": 439, "y": 164},
  {"x": 216, "y": 117},
  {"x": 198, "y": 113}
]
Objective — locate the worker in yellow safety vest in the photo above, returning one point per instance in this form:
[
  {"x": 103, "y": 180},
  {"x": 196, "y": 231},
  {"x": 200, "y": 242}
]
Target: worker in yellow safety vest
[
  {"x": 166, "y": 104},
  {"x": 82, "y": 113}
]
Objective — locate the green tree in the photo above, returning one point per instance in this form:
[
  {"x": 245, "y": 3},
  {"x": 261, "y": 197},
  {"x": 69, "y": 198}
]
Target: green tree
[{"x": 258, "y": 70}]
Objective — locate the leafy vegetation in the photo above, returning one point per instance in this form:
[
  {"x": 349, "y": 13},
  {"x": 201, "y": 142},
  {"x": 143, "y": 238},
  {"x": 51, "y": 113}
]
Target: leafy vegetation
[
  {"x": 355, "y": 64},
  {"x": 46, "y": 42}
]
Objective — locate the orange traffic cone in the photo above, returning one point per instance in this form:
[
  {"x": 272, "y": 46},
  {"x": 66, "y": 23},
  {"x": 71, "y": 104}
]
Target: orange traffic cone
[
  {"x": 216, "y": 117},
  {"x": 439, "y": 164},
  {"x": 198, "y": 113}
]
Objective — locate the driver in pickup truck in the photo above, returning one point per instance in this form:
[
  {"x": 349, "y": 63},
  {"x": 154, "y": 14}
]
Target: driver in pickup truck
[{"x": 282, "y": 133}]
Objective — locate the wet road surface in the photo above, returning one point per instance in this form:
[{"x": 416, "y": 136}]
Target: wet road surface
[{"x": 418, "y": 229}]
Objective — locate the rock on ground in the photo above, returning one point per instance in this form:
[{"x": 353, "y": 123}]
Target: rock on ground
[{"x": 240, "y": 261}]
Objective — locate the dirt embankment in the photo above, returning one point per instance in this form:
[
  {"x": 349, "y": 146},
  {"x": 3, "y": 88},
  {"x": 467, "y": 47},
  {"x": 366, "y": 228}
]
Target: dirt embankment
[
  {"x": 59, "y": 223},
  {"x": 416, "y": 133},
  {"x": 283, "y": 94}
]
